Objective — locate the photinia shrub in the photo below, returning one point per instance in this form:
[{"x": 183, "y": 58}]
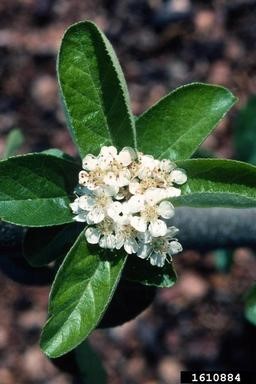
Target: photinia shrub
[{"x": 106, "y": 218}]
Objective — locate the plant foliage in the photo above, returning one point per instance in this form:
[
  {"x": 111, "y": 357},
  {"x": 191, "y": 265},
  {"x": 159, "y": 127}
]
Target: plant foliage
[{"x": 36, "y": 189}]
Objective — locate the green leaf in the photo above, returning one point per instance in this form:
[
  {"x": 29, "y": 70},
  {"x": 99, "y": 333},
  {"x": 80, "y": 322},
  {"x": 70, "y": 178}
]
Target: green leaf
[
  {"x": 41, "y": 246},
  {"x": 245, "y": 133},
  {"x": 90, "y": 365},
  {"x": 218, "y": 183},
  {"x": 94, "y": 91},
  {"x": 176, "y": 126},
  {"x": 250, "y": 305},
  {"x": 143, "y": 272},
  {"x": 82, "y": 289},
  {"x": 14, "y": 141},
  {"x": 36, "y": 189}
]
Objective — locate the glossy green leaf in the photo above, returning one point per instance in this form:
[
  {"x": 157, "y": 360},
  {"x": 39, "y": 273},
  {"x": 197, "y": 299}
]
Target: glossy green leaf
[
  {"x": 41, "y": 246},
  {"x": 94, "y": 90},
  {"x": 176, "y": 126},
  {"x": 36, "y": 189},
  {"x": 82, "y": 289},
  {"x": 218, "y": 183},
  {"x": 250, "y": 305},
  {"x": 143, "y": 272}
]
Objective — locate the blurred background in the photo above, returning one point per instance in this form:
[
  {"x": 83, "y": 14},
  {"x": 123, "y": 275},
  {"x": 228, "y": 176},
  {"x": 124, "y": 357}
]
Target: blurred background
[{"x": 162, "y": 44}]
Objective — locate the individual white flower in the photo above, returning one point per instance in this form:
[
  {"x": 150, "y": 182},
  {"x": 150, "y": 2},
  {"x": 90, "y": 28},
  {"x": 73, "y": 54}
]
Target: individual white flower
[
  {"x": 150, "y": 211},
  {"x": 96, "y": 204},
  {"x": 118, "y": 174},
  {"x": 102, "y": 234},
  {"x": 159, "y": 249}
]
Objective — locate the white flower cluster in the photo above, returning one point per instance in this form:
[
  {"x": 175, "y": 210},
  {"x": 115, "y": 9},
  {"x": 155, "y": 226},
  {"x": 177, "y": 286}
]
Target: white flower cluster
[{"x": 124, "y": 199}]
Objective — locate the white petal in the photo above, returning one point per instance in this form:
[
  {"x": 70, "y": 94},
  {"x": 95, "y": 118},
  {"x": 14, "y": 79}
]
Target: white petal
[
  {"x": 108, "y": 151},
  {"x": 81, "y": 218},
  {"x": 119, "y": 241},
  {"x": 172, "y": 192},
  {"x": 92, "y": 235},
  {"x": 96, "y": 215},
  {"x": 74, "y": 206},
  {"x": 86, "y": 203},
  {"x": 107, "y": 241},
  {"x": 171, "y": 231},
  {"x": 178, "y": 176},
  {"x": 166, "y": 165},
  {"x": 83, "y": 177},
  {"x": 90, "y": 162},
  {"x": 144, "y": 237},
  {"x": 110, "y": 190},
  {"x": 154, "y": 195},
  {"x": 131, "y": 246},
  {"x": 157, "y": 228},
  {"x": 134, "y": 187},
  {"x": 123, "y": 218},
  {"x": 165, "y": 209},
  {"x": 157, "y": 164},
  {"x": 114, "y": 209},
  {"x": 110, "y": 179},
  {"x": 138, "y": 223},
  {"x": 175, "y": 247},
  {"x": 126, "y": 208},
  {"x": 123, "y": 178},
  {"x": 148, "y": 161},
  {"x": 111, "y": 241},
  {"x": 157, "y": 259},
  {"x": 143, "y": 251},
  {"x": 135, "y": 203},
  {"x": 126, "y": 156}
]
